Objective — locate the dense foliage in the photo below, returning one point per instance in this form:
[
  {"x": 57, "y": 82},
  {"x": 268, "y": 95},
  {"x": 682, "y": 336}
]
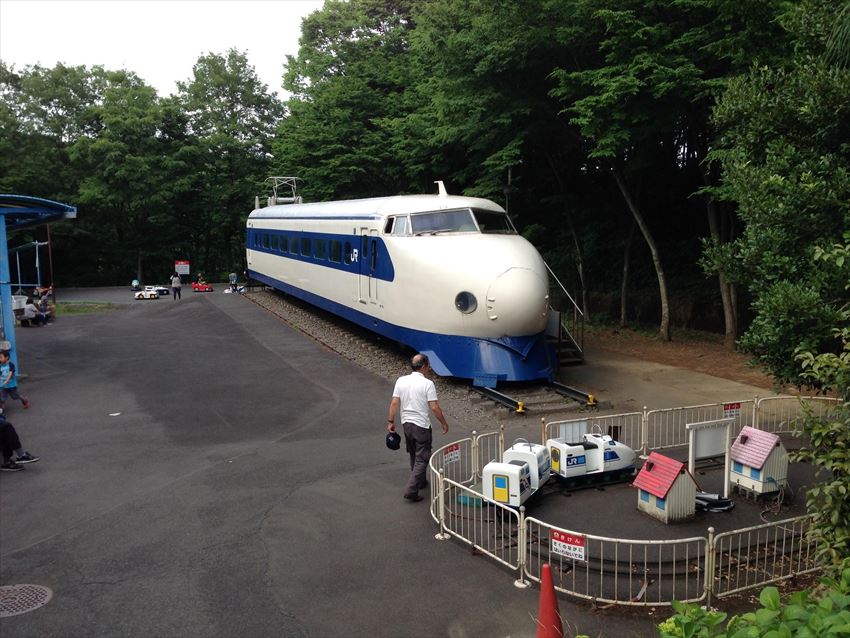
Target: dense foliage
[
  {"x": 805, "y": 614},
  {"x": 640, "y": 144}
]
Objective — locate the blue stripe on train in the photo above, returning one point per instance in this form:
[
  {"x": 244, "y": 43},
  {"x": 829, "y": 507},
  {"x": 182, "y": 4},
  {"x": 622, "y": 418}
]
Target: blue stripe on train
[
  {"x": 359, "y": 254},
  {"x": 485, "y": 361}
]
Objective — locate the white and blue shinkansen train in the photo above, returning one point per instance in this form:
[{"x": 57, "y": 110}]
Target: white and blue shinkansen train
[{"x": 446, "y": 275}]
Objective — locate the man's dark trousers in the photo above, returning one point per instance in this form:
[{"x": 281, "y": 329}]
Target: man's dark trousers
[{"x": 418, "y": 442}]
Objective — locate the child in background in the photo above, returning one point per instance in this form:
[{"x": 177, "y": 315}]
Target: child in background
[{"x": 8, "y": 382}]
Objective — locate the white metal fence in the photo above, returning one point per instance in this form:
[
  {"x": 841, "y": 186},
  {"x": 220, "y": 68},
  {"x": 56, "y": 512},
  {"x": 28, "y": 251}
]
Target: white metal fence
[
  {"x": 617, "y": 570},
  {"x": 762, "y": 554},
  {"x": 626, "y": 571},
  {"x": 666, "y": 428}
]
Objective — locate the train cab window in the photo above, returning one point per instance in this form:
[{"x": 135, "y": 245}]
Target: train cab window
[
  {"x": 397, "y": 226},
  {"x": 305, "y": 247},
  {"x": 293, "y": 245},
  {"x": 347, "y": 254},
  {"x": 443, "y": 221},
  {"x": 335, "y": 250},
  {"x": 320, "y": 249},
  {"x": 490, "y": 221}
]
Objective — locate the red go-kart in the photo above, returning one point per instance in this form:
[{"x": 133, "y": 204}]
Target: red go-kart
[{"x": 201, "y": 286}]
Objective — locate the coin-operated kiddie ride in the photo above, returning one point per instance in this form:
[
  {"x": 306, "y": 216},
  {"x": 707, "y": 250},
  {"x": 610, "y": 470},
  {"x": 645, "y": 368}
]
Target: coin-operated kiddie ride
[{"x": 525, "y": 467}]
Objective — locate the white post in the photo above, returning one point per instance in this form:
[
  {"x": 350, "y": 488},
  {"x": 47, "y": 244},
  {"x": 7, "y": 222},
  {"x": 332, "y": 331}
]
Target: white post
[
  {"x": 727, "y": 462},
  {"x": 521, "y": 582},
  {"x": 442, "y": 535}
]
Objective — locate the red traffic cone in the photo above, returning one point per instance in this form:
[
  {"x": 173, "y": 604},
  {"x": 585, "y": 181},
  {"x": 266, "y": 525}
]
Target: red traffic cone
[{"x": 548, "y": 616}]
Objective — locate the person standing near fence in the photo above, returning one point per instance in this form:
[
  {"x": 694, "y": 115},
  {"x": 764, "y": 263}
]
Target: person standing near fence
[
  {"x": 175, "y": 287},
  {"x": 415, "y": 399}
]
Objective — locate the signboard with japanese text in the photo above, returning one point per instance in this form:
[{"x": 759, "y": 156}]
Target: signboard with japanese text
[
  {"x": 731, "y": 410},
  {"x": 451, "y": 454},
  {"x": 569, "y": 545},
  {"x": 181, "y": 267}
]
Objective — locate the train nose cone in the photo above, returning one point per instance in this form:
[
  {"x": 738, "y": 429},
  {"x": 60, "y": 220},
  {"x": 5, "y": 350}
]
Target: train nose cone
[{"x": 518, "y": 301}]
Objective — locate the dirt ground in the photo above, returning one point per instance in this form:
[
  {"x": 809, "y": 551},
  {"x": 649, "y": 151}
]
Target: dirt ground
[{"x": 699, "y": 352}]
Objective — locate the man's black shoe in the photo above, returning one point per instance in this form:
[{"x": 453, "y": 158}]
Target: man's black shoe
[{"x": 413, "y": 498}]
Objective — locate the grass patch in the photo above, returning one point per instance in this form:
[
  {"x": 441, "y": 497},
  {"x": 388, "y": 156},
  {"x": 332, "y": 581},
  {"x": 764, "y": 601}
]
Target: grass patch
[{"x": 83, "y": 308}]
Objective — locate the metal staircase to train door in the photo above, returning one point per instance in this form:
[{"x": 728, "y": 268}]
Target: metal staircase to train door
[{"x": 564, "y": 328}]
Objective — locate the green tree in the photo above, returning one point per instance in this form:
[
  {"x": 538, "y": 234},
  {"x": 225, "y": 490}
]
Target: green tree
[
  {"x": 231, "y": 118},
  {"x": 786, "y": 165},
  {"x": 347, "y": 83},
  {"x": 639, "y": 86},
  {"x": 125, "y": 189}
]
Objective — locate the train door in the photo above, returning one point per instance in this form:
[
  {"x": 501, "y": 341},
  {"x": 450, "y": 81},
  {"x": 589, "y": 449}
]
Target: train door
[{"x": 368, "y": 265}]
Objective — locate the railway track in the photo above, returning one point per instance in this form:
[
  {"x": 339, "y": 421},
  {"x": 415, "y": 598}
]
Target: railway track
[{"x": 390, "y": 360}]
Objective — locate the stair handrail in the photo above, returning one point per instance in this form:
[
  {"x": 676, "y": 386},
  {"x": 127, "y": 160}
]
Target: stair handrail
[
  {"x": 564, "y": 290},
  {"x": 578, "y": 315}
]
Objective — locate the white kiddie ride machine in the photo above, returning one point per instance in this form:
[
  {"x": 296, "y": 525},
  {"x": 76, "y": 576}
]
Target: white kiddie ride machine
[{"x": 525, "y": 467}]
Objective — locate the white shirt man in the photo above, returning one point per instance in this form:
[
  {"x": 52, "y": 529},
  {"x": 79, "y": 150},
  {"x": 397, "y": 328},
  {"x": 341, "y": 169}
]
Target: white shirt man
[{"x": 415, "y": 397}]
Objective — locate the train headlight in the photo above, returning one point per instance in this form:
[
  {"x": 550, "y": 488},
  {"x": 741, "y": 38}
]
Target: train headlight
[{"x": 466, "y": 302}]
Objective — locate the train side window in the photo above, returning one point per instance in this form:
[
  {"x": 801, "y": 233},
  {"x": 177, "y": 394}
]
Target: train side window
[
  {"x": 305, "y": 247},
  {"x": 293, "y": 245},
  {"x": 265, "y": 240},
  {"x": 374, "y": 254},
  {"x": 320, "y": 249},
  {"x": 348, "y": 258},
  {"x": 274, "y": 243},
  {"x": 335, "y": 251},
  {"x": 400, "y": 227}
]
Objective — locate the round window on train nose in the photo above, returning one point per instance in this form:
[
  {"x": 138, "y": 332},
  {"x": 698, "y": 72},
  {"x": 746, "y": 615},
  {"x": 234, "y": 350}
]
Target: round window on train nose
[{"x": 466, "y": 302}]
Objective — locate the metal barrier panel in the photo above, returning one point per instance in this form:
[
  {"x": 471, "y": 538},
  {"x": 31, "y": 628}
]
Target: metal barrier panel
[
  {"x": 456, "y": 462},
  {"x": 782, "y": 414},
  {"x": 625, "y": 428},
  {"x": 489, "y": 449},
  {"x": 756, "y": 556},
  {"x": 489, "y": 527},
  {"x": 617, "y": 571},
  {"x": 666, "y": 428}
]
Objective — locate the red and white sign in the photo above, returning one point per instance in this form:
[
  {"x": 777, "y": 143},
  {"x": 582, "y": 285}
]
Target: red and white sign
[
  {"x": 181, "y": 267},
  {"x": 569, "y": 545},
  {"x": 451, "y": 454},
  {"x": 731, "y": 410}
]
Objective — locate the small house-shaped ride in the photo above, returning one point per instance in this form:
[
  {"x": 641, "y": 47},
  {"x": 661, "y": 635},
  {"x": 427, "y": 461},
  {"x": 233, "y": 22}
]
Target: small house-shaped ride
[
  {"x": 666, "y": 490},
  {"x": 759, "y": 462}
]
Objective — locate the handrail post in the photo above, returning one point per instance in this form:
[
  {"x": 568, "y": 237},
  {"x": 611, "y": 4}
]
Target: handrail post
[
  {"x": 521, "y": 582},
  {"x": 501, "y": 442},
  {"x": 543, "y": 430},
  {"x": 644, "y": 433},
  {"x": 474, "y": 455},
  {"x": 709, "y": 567},
  {"x": 442, "y": 535},
  {"x": 756, "y": 413}
]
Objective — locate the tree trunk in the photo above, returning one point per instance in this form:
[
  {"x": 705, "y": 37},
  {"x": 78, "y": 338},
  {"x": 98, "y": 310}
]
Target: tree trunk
[
  {"x": 139, "y": 266},
  {"x": 580, "y": 268},
  {"x": 664, "y": 328},
  {"x": 624, "y": 287},
  {"x": 730, "y": 319}
]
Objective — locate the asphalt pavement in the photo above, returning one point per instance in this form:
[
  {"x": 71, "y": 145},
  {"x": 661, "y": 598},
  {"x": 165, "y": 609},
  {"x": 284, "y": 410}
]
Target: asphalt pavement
[{"x": 208, "y": 471}]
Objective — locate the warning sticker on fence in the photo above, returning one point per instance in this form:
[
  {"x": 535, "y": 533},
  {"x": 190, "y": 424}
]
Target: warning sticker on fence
[
  {"x": 731, "y": 410},
  {"x": 569, "y": 545},
  {"x": 451, "y": 454}
]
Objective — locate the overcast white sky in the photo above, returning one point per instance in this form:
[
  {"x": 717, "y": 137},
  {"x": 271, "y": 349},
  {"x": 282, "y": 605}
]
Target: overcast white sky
[{"x": 158, "y": 39}]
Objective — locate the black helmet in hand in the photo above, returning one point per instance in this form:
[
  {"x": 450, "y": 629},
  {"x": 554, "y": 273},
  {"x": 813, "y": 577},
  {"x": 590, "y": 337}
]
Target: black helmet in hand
[{"x": 393, "y": 440}]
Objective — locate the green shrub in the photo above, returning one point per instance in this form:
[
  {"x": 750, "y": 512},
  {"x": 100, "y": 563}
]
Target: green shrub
[{"x": 806, "y": 614}]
